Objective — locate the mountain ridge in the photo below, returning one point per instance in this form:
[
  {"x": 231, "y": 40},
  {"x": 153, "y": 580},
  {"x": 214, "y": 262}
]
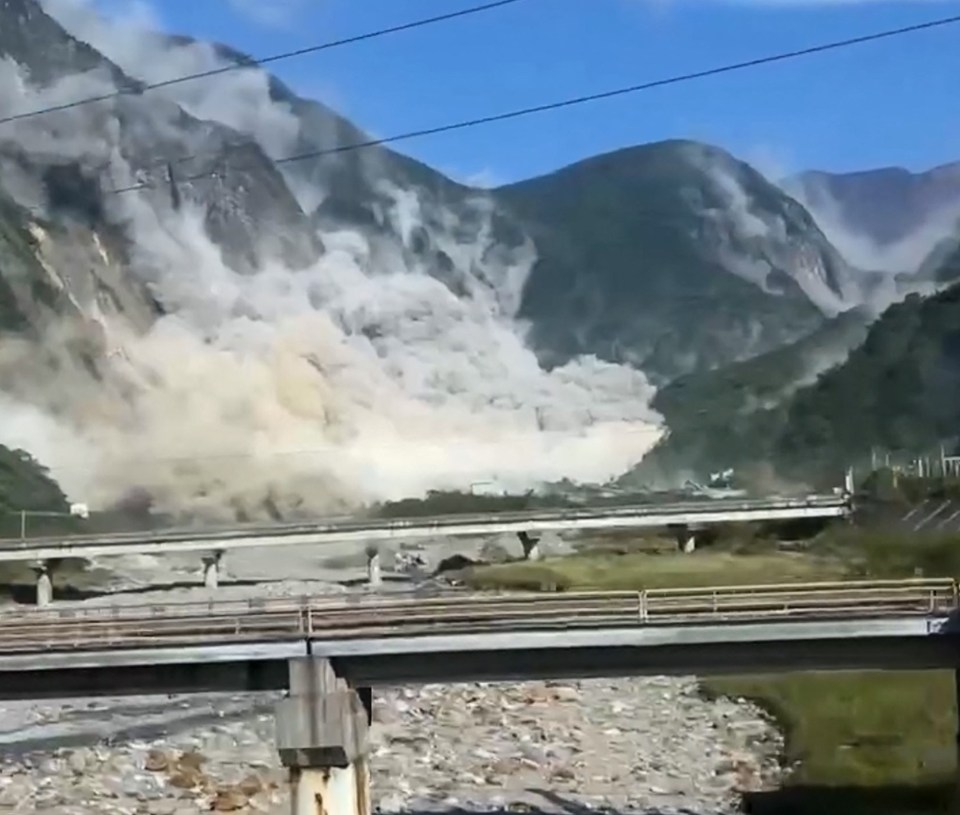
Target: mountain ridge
[{"x": 886, "y": 204}]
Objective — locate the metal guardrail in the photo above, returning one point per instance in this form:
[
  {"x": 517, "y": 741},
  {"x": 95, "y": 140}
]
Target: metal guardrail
[{"x": 103, "y": 628}]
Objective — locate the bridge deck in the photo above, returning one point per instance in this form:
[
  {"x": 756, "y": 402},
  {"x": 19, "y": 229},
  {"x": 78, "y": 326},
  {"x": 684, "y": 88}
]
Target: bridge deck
[
  {"x": 245, "y": 646},
  {"x": 342, "y": 530}
]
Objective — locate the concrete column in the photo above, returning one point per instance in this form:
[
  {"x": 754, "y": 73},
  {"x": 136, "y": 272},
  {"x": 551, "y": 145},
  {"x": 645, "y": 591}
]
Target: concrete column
[
  {"x": 44, "y": 572},
  {"x": 531, "y": 546},
  {"x": 330, "y": 790},
  {"x": 374, "y": 575},
  {"x": 322, "y": 737},
  {"x": 686, "y": 539},
  {"x": 366, "y": 699},
  {"x": 955, "y": 804},
  {"x": 211, "y": 570}
]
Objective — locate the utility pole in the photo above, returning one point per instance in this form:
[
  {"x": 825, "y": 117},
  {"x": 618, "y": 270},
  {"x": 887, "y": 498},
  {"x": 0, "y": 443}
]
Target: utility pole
[{"x": 175, "y": 199}]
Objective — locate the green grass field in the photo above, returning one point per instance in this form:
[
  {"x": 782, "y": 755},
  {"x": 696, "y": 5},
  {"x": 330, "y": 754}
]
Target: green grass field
[
  {"x": 638, "y": 570},
  {"x": 874, "y": 743}
]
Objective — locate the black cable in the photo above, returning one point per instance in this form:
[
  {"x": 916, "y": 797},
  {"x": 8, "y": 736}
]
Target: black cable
[
  {"x": 255, "y": 63},
  {"x": 580, "y": 100}
]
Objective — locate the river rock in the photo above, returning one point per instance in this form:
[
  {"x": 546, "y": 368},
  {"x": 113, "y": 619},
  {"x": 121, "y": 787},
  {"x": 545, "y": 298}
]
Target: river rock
[{"x": 632, "y": 745}]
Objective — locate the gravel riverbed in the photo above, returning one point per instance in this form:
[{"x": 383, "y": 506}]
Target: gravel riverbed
[{"x": 630, "y": 745}]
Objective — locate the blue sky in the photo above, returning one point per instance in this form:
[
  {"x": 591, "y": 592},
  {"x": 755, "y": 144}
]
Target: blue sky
[{"x": 893, "y": 102}]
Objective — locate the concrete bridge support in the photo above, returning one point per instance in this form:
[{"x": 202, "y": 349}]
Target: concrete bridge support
[
  {"x": 322, "y": 737},
  {"x": 44, "y": 573},
  {"x": 211, "y": 569},
  {"x": 374, "y": 574},
  {"x": 686, "y": 538},
  {"x": 955, "y": 804},
  {"x": 531, "y": 545}
]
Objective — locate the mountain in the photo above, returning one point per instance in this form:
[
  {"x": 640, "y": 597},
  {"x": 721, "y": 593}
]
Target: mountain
[
  {"x": 733, "y": 237},
  {"x": 898, "y": 389},
  {"x": 886, "y": 205},
  {"x": 940, "y": 266},
  {"x": 209, "y": 296},
  {"x": 731, "y": 416},
  {"x": 29, "y": 31},
  {"x": 674, "y": 257},
  {"x": 250, "y": 215},
  {"x": 897, "y": 225},
  {"x": 186, "y": 316}
]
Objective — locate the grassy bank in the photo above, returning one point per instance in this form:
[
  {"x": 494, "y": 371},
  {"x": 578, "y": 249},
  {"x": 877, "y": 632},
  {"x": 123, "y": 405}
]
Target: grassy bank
[
  {"x": 861, "y": 728},
  {"x": 856, "y": 742},
  {"x": 639, "y": 570}
]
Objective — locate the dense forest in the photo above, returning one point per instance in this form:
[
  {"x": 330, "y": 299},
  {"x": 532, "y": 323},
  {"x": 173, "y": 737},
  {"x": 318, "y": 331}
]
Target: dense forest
[{"x": 898, "y": 389}]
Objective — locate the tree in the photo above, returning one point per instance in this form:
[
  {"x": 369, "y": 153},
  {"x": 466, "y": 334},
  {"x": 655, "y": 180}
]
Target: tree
[{"x": 26, "y": 484}]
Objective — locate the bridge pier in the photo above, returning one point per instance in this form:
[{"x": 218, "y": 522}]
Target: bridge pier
[
  {"x": 374, "y": 575},
  {"x": 211, "y": 569},
  {"x": 955, "y": 804},
  {"x": 322, "y": 738},
  {"x": 531, "y": 545},
  {"x": 686, "y": 539},
  {"x": 44, "y": 573}
]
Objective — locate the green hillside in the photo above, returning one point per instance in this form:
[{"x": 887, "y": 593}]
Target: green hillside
[
  {"x": 898, "y": 389},
  {"x": 730, "y": 416},
  {"x": 25, "y": 485}
]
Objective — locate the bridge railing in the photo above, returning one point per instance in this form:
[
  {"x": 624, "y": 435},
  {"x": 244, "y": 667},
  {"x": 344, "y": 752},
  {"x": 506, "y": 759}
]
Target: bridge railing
[
  {"x": 882, "y": 596},
  {"x": 938, "y": 594},
  {"x": 332, "y": 617}
]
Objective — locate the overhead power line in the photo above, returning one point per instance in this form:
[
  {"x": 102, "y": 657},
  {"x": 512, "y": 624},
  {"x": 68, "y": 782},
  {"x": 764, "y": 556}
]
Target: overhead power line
[
  {"x": 256, "y": 63},
  {"x": 593, "y": 97}
]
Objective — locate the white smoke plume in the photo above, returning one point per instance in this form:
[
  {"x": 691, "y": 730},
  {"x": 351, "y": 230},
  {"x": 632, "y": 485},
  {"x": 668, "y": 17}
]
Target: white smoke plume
[{"x": 358, "y": 379}]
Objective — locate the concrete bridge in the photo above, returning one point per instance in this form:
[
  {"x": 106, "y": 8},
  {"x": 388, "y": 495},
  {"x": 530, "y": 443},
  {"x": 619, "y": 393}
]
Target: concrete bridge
[
  {"x": 684, "y": 518},
  {"x": 329, "y": 653}
]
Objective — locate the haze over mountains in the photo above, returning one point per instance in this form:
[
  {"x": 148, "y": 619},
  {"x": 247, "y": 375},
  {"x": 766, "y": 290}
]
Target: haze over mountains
[
  {"x": 888, "y": 206},
  {"x": 889, "y": 219},
  {"x": 246, "y": 336}
]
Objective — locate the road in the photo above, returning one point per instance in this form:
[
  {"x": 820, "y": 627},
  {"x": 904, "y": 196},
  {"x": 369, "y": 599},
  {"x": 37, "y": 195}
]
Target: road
[
  {"x": 365, "y": 530},
  {"x": 245, "y": 645}
]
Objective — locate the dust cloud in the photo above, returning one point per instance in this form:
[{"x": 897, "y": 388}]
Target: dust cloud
[{"x": 361, "y": 378}]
